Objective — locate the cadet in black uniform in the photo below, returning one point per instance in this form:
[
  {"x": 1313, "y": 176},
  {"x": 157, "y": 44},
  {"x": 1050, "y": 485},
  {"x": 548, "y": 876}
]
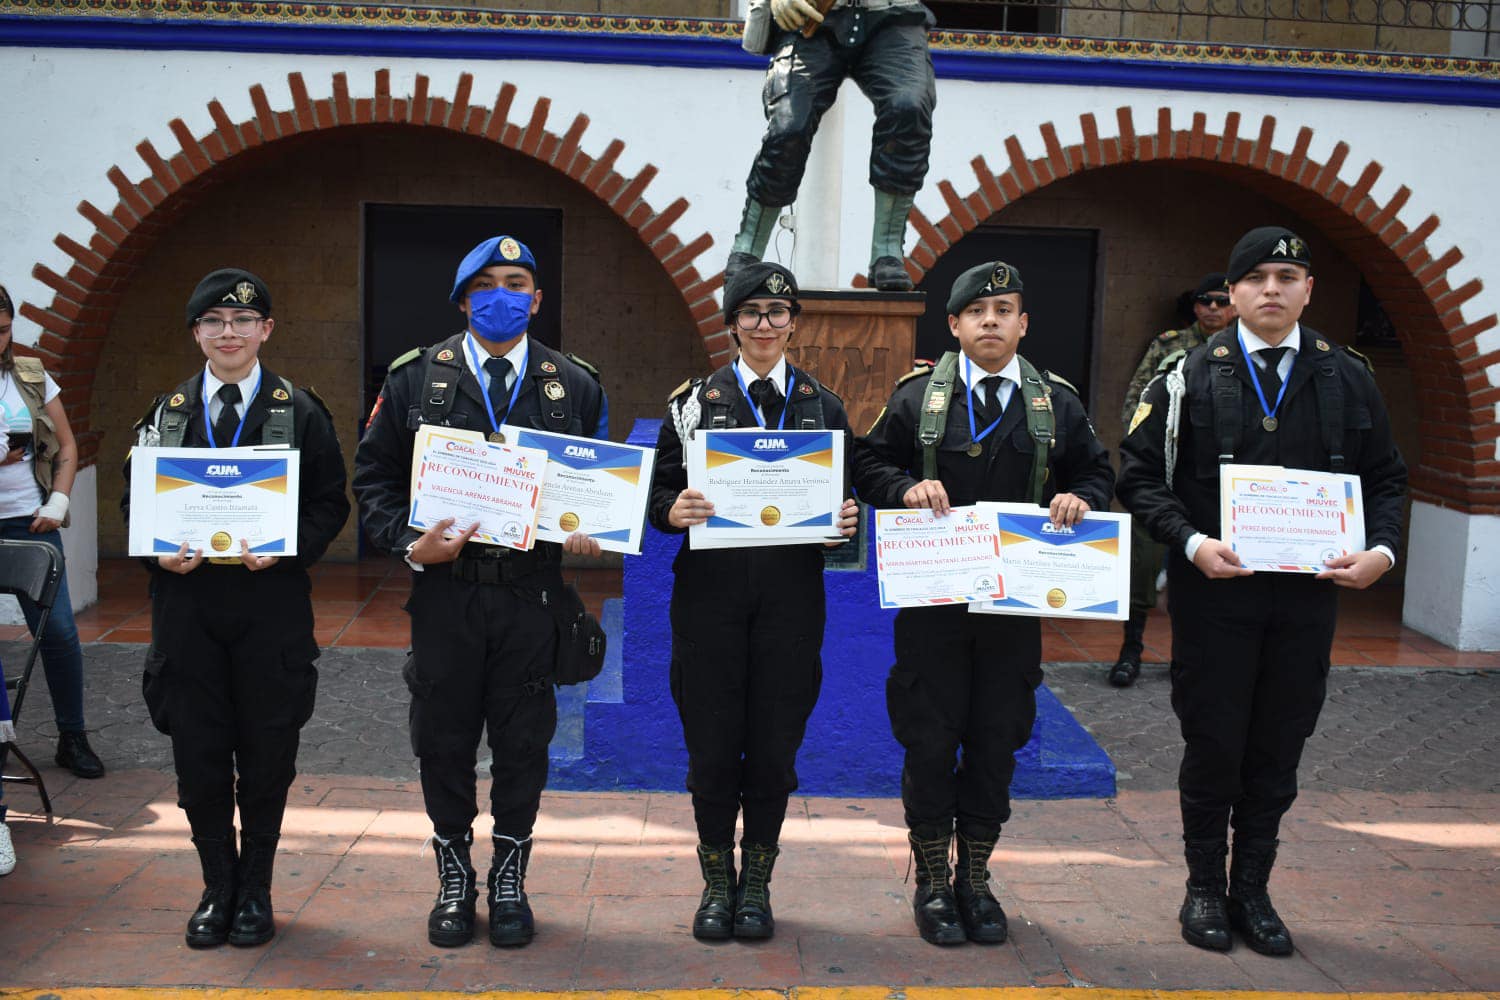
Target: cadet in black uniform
[
  {"x": 965, "y": 683},
  {"x": 1250, "y": 652},
  {"x": 230, "y": 673},
  {"x": 747, "y": 623},
  {"x": 482, "y": 630}
]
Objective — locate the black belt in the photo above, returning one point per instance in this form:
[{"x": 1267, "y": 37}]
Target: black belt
[{"x": 489, "y": 564}]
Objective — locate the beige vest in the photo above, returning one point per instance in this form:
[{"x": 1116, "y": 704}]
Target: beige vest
[{"x": 31, "y": 381}]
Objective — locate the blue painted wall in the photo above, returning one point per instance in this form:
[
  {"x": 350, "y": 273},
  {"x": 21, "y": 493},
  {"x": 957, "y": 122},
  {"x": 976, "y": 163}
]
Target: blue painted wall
[{"x": 631, "y": 738}]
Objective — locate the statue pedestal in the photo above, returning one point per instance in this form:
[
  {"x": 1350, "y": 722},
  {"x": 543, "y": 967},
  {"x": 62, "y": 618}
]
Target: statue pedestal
[{"x": 858, "y": 343}]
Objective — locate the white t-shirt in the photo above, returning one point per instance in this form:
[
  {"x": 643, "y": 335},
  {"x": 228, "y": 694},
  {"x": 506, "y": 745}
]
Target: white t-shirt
[{"x": 20, "y": 496}]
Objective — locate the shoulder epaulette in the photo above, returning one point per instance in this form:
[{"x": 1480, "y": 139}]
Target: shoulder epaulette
[
  {"x": 1167, "y": 335},
  {"x": 405, "y": 359},
  {"x": 582, "y": 364},
  {"x": 830, "y": 392},
  {"x": 914, "y": 373},
  {"x": 1060, "y": 380},
  {"x": 1369, "y": 365},
  {"x": 1170, "y": 360},
  {"x": 686, "y": 383},
  {"x": 313, "y": 395}
]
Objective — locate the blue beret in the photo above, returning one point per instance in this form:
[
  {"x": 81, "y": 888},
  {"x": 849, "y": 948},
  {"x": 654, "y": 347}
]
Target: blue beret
[{"x": 495, "y": 250}]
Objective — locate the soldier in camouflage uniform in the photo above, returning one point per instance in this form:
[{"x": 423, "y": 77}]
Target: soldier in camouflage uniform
[{"x": 1212, "y": 312}]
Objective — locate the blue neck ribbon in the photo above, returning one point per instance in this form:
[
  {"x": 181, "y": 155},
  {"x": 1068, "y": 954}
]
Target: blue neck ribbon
[
  {"x": 208, "y": 425},
  {"x": 484, "y": 382},
  {"x": 1260, "y": 393},
  {"x": 969, "y": 382},
  {"x": 760, "y": 418}
]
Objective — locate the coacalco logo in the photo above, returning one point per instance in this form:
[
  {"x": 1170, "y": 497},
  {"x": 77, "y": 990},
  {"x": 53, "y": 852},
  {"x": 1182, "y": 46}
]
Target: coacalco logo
[
  {"x": 222, "y": 470},
  {"x": 770, "y": 444},
  {"x": 579, "y": 451}
]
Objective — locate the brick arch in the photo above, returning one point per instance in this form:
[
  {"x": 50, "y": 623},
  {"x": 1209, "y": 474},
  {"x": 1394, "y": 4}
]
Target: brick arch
[
  {"x": 1459, "y": 431},
  {"x": 75, "y": 324}
]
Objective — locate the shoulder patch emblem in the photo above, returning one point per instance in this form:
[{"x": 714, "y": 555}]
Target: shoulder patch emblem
[
  {"x": 548, "y": 367},
  {"x": 1041, "y": 403},
  {"x": 1221, "y": 351},
  {"x": 712, "y": 394},
  {"x": 1141, "y": 413},
  {"x": 445, "y": 355},
  {"x": 280, "y": 395},
  {"x": 554, "y": 389},
  {"x": 177, "y": 400},
  {"x": 806, "y": 389},
  {"x": 935, "y": 401},
  {"x": 1322, "y": 345}
]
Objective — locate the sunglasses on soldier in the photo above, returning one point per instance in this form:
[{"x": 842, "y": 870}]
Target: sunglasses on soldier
[{"x": 1217, "y": 301}]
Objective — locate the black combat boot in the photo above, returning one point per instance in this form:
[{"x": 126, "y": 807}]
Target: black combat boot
[
  {"x": 983, "y": 919},
  {"x": 450, "y": 924},
  {"x": 208, "y": 927},
  {"x": 1204, "y": 916},
  {"x": 1250, "y": 909},
  {"x": 933, "y": 904},
  {"x": 511, "y": 924},
  {"x": 1128, "y": 667},
  {"x": 752, "y": 900},
  {"x": 253, "y": 921},
  {"x": 714, "y": 920}
]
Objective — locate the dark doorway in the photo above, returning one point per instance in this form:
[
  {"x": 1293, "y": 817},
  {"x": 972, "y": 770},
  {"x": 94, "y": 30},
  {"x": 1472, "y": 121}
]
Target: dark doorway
[
  {"x": 410, "y": 255},
  {"x": 1058, "y": 268}
]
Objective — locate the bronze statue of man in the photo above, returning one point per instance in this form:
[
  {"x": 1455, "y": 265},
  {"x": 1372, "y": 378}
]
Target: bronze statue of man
[{"x": 882, "y": 46}]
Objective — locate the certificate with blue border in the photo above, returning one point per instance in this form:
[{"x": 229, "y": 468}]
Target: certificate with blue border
[
  {"x": 1049, "y": 572},
  {"x": 597, "y": 487},
  {"x": 211, "y": 498},
  {"x": 768, "y": 487}
]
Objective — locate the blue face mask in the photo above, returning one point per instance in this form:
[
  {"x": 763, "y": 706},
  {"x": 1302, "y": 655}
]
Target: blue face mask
[{"x": 499, "y": 314}]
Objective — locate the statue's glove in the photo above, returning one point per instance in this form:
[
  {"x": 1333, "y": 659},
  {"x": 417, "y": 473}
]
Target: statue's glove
[{"x": 791, "y": 15}]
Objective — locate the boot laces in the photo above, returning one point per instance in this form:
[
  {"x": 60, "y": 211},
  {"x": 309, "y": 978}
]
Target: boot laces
[
  {"x": 716, "y": 883},
  {"x": 455, "y": 878},
  {"x": 758, "y": 877},
  {"x": 931, "y": 857},
  {"x": 505, "y": 880}
]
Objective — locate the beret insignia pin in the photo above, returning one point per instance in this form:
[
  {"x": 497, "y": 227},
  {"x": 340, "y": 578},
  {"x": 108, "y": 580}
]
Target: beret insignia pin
[
  {"x": 510, "y": 249},
  {"x": 244, "y": 292},
  {"x": 445, "y": 355},
  {"x": 999, "y": 278},
  {"x": 280, "y": 395},
  {"x": 776, "y": 284},
  {"x": 177, "y": 400},
  {"x": 1296, "y": 248},
  {"x": 554, "y": 390},
  {"x": 1221, "y": 351},
  {"x": 548, "y": 367}
]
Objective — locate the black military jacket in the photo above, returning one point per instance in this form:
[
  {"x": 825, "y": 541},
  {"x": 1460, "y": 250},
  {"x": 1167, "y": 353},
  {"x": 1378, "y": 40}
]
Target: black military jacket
[
  {"x": 322, "y": 499},
  {"x": 382, "y": 462},
  {"x": 1173, "y": 515},
  {"x": 670, "y": 477},
  {"x": 888, "y": 460}
]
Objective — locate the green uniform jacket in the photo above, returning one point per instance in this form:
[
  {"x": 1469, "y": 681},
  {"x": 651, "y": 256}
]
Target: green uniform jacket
[{"x": 1161, "y": 348}]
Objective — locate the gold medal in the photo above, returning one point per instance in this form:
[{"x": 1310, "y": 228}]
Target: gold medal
[
  {"x": 976, "y": 449},
  {"x": 1269, "y": 423},
  {"x": 497, "y": 438}
]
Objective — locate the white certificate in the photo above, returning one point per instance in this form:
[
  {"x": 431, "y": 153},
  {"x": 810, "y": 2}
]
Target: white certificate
[
  {"x": 1290, "y": 520},
  {"x": 768, "y": 487},
  {"x": 459, "y": 474},
  {"x": 212, "y": 498},
  {"x": 593, "y": 486},
  {"x": 1077, "y": 572},
  {"x": 924, "y": 559}
]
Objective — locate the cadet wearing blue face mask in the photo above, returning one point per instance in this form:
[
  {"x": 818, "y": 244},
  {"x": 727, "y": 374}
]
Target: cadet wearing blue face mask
[{"x": 482, "y": 633}]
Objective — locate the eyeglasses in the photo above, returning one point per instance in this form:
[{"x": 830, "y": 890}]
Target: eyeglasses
[
  {"x": 214, "y": 327},
  {"x": 778, "y": 316},
  {"x": 1217, "y": 301}
]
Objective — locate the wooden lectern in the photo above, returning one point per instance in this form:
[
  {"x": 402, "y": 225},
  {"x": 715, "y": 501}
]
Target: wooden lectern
[{"x": 858, "y": 343}]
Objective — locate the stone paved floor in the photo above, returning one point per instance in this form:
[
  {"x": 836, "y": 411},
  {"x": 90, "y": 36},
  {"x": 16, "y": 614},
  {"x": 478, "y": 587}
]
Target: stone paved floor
[{"x": 1390, "y": 871}]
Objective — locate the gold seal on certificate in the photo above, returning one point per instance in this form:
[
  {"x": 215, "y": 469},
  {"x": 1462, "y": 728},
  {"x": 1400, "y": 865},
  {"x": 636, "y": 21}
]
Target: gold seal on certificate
[
  {"x": 568, "y": 521},
  {"x": 770, "y": 516},
  {"x": 220, "y": 541}
]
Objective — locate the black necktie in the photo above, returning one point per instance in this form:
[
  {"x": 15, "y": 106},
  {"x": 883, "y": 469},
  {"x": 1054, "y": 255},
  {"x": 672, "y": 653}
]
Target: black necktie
[
  {"x": 1270, "y": 376},
  {"x": 229, "y": 420},
  {"x": 989, "y": 391},
  {"x": 498, "y": 369},
  {"x": 764, "y": 395}
]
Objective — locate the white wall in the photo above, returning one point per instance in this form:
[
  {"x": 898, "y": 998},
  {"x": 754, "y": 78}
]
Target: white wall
[{"x": 1453, "y": 577}]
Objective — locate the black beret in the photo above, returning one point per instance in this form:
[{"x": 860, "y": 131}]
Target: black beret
[
  {"x": 1210, "y": 283},
  {"x": 994, "y": 278},
  {"x": 232, "y": 287},
  {"x": 761, "y": 280},
  {"x": 1265, "y": 245}
]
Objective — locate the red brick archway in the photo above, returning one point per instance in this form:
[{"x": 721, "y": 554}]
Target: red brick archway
[
  {"x": 1458, "y": 428},
  {"x": 74, "y": 326}
]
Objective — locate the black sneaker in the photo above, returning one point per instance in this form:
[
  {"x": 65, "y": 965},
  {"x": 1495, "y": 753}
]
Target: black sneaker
[{"x": 74, "y": 754}]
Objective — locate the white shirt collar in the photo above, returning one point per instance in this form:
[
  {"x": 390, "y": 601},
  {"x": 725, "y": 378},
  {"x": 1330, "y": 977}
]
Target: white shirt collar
[
  {"x": 212, "y": 383},
  {"x": 1253, "y": 343},
  {"x": 474, "y": 353},
  {"x": 777, "y": 376},
  {"x": 1011, "y": 372}
]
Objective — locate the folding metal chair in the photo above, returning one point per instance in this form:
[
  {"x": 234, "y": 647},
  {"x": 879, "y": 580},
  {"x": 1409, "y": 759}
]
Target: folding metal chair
[{"x": 32, "y": 569}]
